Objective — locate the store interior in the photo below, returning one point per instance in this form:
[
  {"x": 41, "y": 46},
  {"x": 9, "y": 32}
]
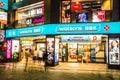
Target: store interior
[
  {"x": 32, "y": 45},
  {"x": 67, "y": 48}
]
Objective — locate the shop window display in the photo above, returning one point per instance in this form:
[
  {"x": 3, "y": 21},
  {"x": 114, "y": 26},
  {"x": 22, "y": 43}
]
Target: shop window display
[
  {"x": 30, "y": 16},
  {"x": 76, "y": 11},
  {"x": 82, "y": 17},
  {"x": 66, "y": 12}
]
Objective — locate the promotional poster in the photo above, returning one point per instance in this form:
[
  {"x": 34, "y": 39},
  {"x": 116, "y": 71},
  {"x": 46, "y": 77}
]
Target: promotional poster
[
  {"x": 8, "y": 51},
  {"x": 98, "y": 16},
  {"x": 82, "y": 17},
  {"x": 114, "y": 54},
  {"x": 50, "y": 51},
  {"x": 2, "y": 35},
  {"x": 56, "y": 50},
  {"x": 15, "y": 48}
]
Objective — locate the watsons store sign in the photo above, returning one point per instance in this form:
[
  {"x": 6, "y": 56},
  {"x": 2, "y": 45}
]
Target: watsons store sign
[
  {"x": 61, "y": 29},
  {"x": 81, "y": 28}
]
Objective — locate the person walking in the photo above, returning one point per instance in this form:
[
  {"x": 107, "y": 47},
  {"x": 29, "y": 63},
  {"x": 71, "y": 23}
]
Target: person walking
[
  {"x": 45, "y": 61},
  {"x": 40, "y": 55}
]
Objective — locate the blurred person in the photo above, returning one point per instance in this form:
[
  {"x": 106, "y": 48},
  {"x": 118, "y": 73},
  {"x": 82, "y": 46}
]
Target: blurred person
[
  {"x": 35, "y": 55},
  {"x": 40, "y": 55},
  {"x": 45, "y": 58}
]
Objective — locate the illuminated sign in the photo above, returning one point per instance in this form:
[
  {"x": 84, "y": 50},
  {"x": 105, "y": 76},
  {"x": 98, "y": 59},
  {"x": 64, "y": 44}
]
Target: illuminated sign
[
  {"x": 38, "y": 20},
  {"x": 3, "y": 17},
  {"x": 76, "y": 6},
  {"x": 79, "y": 29},
  {"x": 25, "y": 42},
  {"x": 75, "y": 38},
  {"x": 2, "y": 35},
  {"x": 8, "y": 51},
  {"x": 71, "y": 28},
  {"x": 4, "y": 4},
  {"x": 1, "y": 4},
  {"x": 25, "y": 32}
]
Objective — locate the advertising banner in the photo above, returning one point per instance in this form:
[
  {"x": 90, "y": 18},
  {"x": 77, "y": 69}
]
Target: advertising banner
[
  {"x": 82, "y": 17},
  {"x": 114, "y": 53},
  {"x": 98, "y": 16},
  {"x": 2, "y": 35},
  {"x": 50, "y": 51},
  {"x": 15, "y": 49},
  {"x": 3, "y": 17},
  {"x": 56, "y": 50},
  {"x": 81, "y": 38},
  {"x": 8, "y": 51}
]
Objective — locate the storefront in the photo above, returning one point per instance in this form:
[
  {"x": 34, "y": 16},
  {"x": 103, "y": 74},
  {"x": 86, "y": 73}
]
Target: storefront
[
  {"x": 68, "y": 42},
  {"x": 84, "y": 48}
]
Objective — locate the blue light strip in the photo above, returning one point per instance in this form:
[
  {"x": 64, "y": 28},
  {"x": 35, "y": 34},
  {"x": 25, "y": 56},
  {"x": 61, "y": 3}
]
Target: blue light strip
[{"x": 72, "y": 28}]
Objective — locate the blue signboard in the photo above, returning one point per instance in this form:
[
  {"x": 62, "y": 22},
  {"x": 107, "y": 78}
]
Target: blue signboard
[
  {"x": 72, "y": 28},
  {"x": 31, "y": 31},
  {"x": 4, "y": 4}
]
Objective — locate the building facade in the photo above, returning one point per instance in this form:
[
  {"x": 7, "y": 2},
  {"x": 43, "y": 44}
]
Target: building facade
[
  {"x": 67, "y": 30},
  {"x": 3, "y": 25}
]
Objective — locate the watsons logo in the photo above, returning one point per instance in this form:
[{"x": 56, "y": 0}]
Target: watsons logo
[
  {"x": 85, "y": 28},
  {"x": 63, "y": 29}
]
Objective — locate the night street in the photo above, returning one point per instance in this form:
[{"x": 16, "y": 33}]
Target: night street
[{"x": 59, "y": 39}]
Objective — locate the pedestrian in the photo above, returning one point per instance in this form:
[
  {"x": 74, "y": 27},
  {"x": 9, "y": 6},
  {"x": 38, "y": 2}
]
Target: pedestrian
[
  {"x": 40, "y": 55},
  {"x": 35, "y": 55},
  {"x": 45, "y": 61}
]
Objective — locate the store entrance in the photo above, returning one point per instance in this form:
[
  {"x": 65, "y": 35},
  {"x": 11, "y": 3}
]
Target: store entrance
[
  {"x": 84, "y": 52},
  {"x": 84, "y": 49},
  {"x": 32, "y": 46}
]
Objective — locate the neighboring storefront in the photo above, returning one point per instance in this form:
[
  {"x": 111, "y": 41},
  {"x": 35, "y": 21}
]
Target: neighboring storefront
[
  {"x": 68, "y": 42},
  {"x": 3, "y": 23},
  {"x": 30, "y": 15},
  {"x": 3, "y": 13}
]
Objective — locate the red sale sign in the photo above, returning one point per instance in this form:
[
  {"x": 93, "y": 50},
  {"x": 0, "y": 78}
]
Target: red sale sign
[{"x": 76, "y": 7}]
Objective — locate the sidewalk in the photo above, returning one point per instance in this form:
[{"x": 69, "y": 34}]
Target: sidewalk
[{"x": 63, "y": 71}]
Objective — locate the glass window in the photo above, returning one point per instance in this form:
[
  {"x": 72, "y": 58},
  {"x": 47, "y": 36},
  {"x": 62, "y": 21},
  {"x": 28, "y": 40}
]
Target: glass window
[
  {"x": 65, "y": 13},
  {"x": 76, "y": 11},
  {"x": 30, "y": 15}
]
